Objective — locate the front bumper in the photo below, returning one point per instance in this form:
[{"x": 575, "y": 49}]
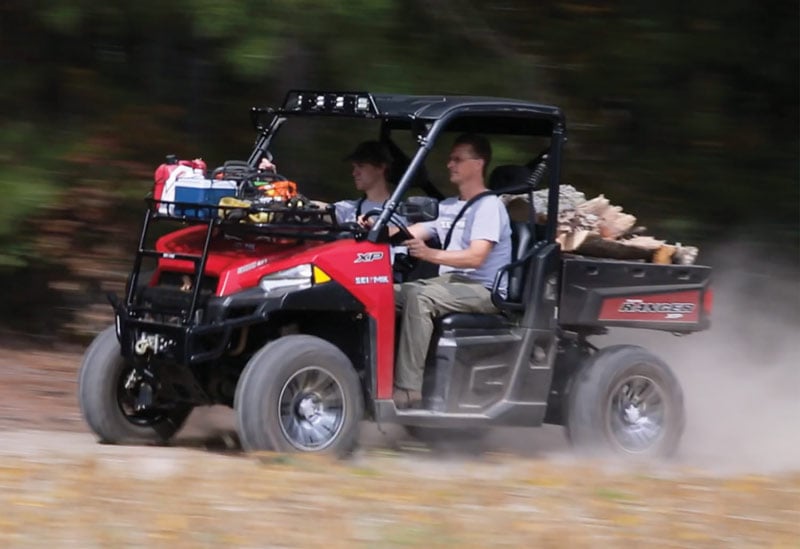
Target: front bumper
[{"x": 205, "y": 339}]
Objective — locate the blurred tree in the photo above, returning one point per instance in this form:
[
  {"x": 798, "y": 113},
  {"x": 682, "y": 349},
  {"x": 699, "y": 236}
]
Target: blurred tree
[{"x": 684, "y": 112}]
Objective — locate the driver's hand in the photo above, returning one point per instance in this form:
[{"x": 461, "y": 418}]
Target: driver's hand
[
  {"x": 265, "y": 164},
  {"x": 366, "y": 222},
  {"x": 417, "y": 248}
]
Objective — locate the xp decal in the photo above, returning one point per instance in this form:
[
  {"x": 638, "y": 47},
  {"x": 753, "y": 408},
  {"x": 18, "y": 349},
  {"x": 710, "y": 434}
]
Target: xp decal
[{"x": 368, "y": 257}]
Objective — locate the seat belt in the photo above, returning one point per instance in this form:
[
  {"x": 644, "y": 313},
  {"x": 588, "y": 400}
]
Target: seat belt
[
  {"x": 460, "y": 214},
  {"x": 358, "y": 206}
]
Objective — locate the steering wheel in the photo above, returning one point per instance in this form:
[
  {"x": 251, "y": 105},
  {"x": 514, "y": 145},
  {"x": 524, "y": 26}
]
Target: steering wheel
[
  {"x": 403, "y": 263},
  {"x": 234, "y": 169},
  {"x": 398, "y": 238}
]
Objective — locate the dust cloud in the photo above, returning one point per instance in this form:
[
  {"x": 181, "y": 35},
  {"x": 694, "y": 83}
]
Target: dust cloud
[{"x": 741, "y": 378}]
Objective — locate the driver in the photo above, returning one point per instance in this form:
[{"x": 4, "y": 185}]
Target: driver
[
  {"x": 371, "y": 163},
  {"x": 479, "y": 245}
]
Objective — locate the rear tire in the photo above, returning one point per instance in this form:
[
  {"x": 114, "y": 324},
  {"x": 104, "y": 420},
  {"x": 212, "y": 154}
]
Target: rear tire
[
  {"x": 299, "y": 394},
  {"x": 625, "y": 401},
  {"x": 103, "y": 403}
]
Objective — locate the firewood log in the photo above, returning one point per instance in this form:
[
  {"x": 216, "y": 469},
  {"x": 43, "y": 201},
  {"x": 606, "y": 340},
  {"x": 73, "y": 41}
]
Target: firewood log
[{"x": 596, "y": 227}]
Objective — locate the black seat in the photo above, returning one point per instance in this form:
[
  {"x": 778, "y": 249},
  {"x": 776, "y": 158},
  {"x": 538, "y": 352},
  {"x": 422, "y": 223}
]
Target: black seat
[
  {"x": 520, "y": 242},
  {"x": 520, "y": 239},
  {"x": 514, "y": 179},
  {"x": 509, "y": 178}
]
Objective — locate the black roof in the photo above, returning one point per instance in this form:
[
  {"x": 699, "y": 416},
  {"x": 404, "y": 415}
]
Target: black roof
[
  {"x": 434, "y": 107},
  {"x": 462, "y": 112},
  {"x": 488, "y": 115}
]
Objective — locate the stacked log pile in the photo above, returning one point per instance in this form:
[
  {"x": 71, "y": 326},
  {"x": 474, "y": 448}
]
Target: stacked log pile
[{"x": 598, "y": 228}]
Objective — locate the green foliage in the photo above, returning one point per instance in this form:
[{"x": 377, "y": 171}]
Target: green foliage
[
  {"x": 220, "y": 19},
  {"x": 26, "y": 187},
  {"x": 253, "y": 57},
  {"x": 24, "y": 190},
  {"x": 62, "y": 16},
  {"x": 684, "y": 114}
]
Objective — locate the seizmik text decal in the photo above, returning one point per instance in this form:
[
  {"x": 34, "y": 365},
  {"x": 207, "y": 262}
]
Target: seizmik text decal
[{"x": 381, "y": 279}]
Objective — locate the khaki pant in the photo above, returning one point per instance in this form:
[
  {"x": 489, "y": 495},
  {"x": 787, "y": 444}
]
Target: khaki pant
[{"x": 420, "y": 302}]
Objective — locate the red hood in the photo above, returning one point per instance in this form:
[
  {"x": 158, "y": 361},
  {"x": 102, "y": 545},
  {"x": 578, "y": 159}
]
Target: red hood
[
  {"x": 225, "y": 253},
  {"x": 240, "y": 264},
  {"x": 361, "y": 267}
]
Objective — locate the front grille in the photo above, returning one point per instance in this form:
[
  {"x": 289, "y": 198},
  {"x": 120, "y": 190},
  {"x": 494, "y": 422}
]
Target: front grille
[
  {"x": 173, "y": 294},
  {"x": 178, "y": 281}
]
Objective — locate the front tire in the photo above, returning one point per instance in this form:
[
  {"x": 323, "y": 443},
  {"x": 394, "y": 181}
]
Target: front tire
[
  {"x": 106, "y": 404},
  {"x": 299, "y": 394},
  {"x": 626, "y": 401}
]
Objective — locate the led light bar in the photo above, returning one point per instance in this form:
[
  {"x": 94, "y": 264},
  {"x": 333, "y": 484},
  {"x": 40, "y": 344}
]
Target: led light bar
[{"x": 321, "y": 102}]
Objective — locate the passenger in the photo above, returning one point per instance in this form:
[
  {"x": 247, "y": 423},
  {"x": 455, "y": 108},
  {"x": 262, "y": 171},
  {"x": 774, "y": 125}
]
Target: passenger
[{"x": 371, "y": 163}]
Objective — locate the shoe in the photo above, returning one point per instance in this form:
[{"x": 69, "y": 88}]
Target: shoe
[{"x": 405, "y": 399}]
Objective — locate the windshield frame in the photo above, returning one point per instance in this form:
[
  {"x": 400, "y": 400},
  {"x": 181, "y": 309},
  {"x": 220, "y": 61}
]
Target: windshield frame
[{"x": 485, "y": 117}]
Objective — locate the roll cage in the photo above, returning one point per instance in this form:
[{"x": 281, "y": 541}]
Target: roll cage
[{"x": 427, "y": 117}]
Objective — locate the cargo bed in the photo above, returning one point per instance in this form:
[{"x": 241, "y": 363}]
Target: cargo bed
[{"x": 607, "y": 292}]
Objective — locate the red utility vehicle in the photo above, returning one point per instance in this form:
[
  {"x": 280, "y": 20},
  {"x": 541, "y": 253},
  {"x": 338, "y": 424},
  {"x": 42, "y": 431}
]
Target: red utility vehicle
[{"x": 276, "y": 309}]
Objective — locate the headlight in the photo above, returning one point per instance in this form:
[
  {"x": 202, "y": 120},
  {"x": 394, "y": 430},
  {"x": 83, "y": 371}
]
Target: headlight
[{"x": 296, "y": 278}]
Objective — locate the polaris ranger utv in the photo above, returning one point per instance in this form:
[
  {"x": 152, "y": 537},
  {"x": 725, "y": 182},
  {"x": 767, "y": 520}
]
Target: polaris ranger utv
[{"x": 281, "y": 312}]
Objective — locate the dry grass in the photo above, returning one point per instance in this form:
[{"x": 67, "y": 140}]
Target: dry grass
[
  {"x": 186, "y": 498},
  {"x": 59, "y": 489}
]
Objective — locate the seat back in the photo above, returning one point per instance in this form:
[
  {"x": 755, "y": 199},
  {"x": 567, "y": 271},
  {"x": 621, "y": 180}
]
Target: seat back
[
  {"x": 521, "y": 239},
  {"x": 514, "y": 178},
  {"x": 507, "y": 177}
]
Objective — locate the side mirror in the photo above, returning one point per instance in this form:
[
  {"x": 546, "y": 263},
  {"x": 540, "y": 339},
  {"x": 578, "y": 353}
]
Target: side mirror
[{"x": 417, "y": 209}]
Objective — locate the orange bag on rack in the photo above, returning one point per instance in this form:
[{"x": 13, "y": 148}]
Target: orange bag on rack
[{"x": 280, "y": 191}]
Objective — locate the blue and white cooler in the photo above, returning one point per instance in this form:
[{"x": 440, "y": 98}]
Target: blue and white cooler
[{"x": 195, "y": 189}]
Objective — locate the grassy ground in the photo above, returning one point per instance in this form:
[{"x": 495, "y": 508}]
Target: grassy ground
[
  {"x": 114, "y": 497},
  {"x": 58, "y": 488}
]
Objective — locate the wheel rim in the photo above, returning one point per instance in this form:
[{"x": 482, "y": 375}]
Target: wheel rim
[
  {"x": 637, "y": 413},
  {"x": 128, "y": 388},
  {"x": 311, "y": 408}
]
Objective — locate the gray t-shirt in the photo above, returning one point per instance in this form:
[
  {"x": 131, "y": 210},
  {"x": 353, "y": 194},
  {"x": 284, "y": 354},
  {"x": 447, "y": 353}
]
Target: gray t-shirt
[
  {"x": 486, "y": 219},
  {"x": 347, "y": 211}
]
